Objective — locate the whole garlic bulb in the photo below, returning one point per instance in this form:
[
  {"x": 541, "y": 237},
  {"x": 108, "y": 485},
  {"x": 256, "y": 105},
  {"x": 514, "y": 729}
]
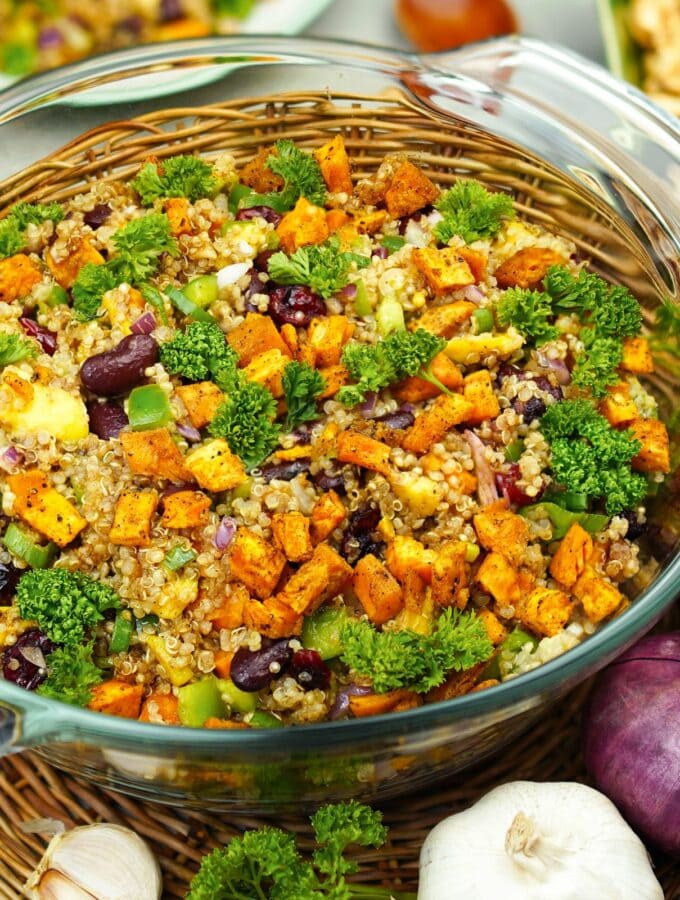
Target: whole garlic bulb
[
  {"x": 529, "y": 841},
  {"x": 96, "y": 862}
]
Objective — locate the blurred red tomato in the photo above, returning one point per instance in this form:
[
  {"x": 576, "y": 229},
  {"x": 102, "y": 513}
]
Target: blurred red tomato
[{"x": 440, "y": 24}]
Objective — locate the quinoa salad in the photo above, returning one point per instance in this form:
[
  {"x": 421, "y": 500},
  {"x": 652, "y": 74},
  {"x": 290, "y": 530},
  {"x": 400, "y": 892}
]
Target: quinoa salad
[{"x": 279, "y": 446}]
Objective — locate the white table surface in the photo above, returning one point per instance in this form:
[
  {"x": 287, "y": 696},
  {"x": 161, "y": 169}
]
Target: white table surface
[{"x": 573, "y": 23}]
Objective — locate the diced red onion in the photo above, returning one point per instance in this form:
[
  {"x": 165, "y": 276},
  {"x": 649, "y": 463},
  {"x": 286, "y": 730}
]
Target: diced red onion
[
  {"x": 407, "y": 407},
  {"x": 34, "y": 655},
  {"x": 231, "y": 274},
  {"x": 380, "y": 252},
  {"x": 49, "y": 38},
  {"x": 225, "y": 533},
  {"x": 145, "y": 324},
  {"x": 473, "y": 294},
  {"x": 434, "y": 217},
  {"x": 367, "y": 408},
  {"x": 487, "y": 492},
  {"x": 415, "y": 235},
  {"x": 46, "y": 338},
  {"x": 349, "y": 292},
  {"x": 190, "y": 433},
  {"x": 341, "y": 705},
  {"x": 10, "y": 459},
  {"x": 558, "y": 366}
]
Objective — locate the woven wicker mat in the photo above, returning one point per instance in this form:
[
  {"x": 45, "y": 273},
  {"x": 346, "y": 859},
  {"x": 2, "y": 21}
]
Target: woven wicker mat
[{"x": 29, "y": 788}]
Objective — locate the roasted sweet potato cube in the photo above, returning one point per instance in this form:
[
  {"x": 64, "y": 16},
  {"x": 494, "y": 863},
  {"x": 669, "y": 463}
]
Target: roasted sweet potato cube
[
  {"x": 444, "y": 320},
  {"x": 292, "y": 536},
  {"x": 267, "y": 369},
  {"x": 179, "y": 29},
  {"x": 318, "y": 580},
  {"x": 255, "y": 562},
  {"x": 329, "y": 513},
  {"x": 231, "y": 613},
  {"x": 572, "y": 555},
  {"x": 497, "y": 577},
  {"x": 637, "y": 357},
  {"x": 117, "y": 698},
  {"x": 477, "y": 260},
  {"x": 457, "y": 684},
  {"x": 132, "y": 518},
  {"x": 177, "y": 211},
  {"x": 255, "y": 335},
  {"x": 404, "y": 553},
  {"x": 432, "y": 424},
  {"x": 257, "y": 175},
  {"x": 328, "y": 337},
  {"x": 365, "y": 222},
  {"x": 160, "y": 709},
  {"x": 336, "y": 219},
  {"x": 414, "y": 389},
  {"x": 154, "y": 453},
  {"x": 655, "y": 453},
  {"x": 450, "y": 575},
  {"x": 378, "y": 592},
  {"x": 273, "y": 618},
  {"x": 44, "y": 508},
  {"x": 479, "y": 392},
  {"x": 467, "y": 482},
  {"x": 444, "y": 270},
  {"x": 334, "y": 164},
  {"x": 545, "y": 611},
  {"x": 290, "y": 338},
  {"x": 185, "y": 509},
  {"x": 361, "y": 450},
  {"x": 503, "y": 531},
  {"x": 303, "y": 225},
  {"x": 528, "y": 267},
  {"x": 18, "y": 274},
  {"x": 215, "y": 467},
  {"x": 618, "y": 407},
  {"x": 409, "y": 190},
  {"x": 495, "y": 629},
  {"x": 201, "y": 401},
  {"x": 66, "y": 270},
  {"x": 599, "y": 598},
  {"x": 362, "y": 705},
  {"x": 228, "y": 724},
  {"x": 334, "y": 378}
]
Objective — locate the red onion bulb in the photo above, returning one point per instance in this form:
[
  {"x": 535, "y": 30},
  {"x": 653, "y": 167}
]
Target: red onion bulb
[{"x": 631, "y": 737}]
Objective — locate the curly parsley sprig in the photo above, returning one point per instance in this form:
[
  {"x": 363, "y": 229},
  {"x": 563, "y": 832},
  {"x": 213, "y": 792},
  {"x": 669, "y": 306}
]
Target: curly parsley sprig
[
  {"x": 471, "y": 212},
  {"x": 324, "y": 267},
  {"x": 301, "y": 178}
]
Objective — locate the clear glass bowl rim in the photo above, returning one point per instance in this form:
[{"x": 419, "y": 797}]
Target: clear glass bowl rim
[{"x": 59, "y": 720}]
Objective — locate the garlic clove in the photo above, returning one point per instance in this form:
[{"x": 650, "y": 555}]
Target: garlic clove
[{"x": 105, "y": 862}]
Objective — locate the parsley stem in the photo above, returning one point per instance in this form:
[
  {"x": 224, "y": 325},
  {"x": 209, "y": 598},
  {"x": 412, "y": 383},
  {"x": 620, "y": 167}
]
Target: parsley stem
[
  {"x": 362, "y": 892},
  {"x": 426, "y": 375}
]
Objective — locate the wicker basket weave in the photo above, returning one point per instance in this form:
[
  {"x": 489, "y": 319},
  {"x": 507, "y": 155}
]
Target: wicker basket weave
[{"x": 372, "y": 126}]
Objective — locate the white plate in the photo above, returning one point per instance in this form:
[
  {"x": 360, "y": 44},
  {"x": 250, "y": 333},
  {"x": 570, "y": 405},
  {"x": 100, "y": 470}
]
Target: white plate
[{"x": 269, "y": 17}]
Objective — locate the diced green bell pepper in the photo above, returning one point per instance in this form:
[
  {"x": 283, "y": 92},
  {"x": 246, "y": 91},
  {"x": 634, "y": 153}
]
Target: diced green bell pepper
[
  {"x": 202, "y": 290},
  {"x": 200, "y": 701},
  {"x": 563, "y": 519},
  {"x": 483, "y": 320},
  {"x": 362, "y": 305},
  {"x": 235, "y": 698},
  {"x": 150, "y": 620},
  {"x": 393, "y": 242},
  {"x": 389, "y": 316},
  {"x": 38, "y": 556},
  {"x": 262, "y": 719},
  {"x": 122, "y": 632},
  {"x": 236, "y": 194},
  {"x": 177, "y": 557},
  {"x": 502, "y": 659},
  {"x": 321, "y": 631},
  {"x": 148, "y": 407},
  {"x": 514, "y": 450},
  {"x": 186, "y": 306}
]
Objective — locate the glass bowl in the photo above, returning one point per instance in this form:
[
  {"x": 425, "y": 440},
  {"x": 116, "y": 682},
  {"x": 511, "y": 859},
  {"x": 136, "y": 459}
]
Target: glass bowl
[{"x": 584, "y": 154}]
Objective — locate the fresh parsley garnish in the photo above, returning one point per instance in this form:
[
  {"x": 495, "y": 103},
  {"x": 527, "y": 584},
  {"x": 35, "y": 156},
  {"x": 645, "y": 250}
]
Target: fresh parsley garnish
[
  {"x": 71, "y": 675},
  {"x": 89, "y": 288},
  {"x": 302, "y": 386},
  {"x": 324, "y": 267},
  {"x": 301, "y": 178},
  {"x": 201, "y": 352},
  {"x": 15, "y": 348},
  {"x": 13, "y": 226},
  {"x": 471, "y": 212},
  {"x": 247, "y": 421},
  {"x": 178, "y": 176},
  {"x": 530, "y": 312}
]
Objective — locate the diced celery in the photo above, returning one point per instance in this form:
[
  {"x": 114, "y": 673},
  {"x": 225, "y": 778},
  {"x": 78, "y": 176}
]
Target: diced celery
[
  {"x": 262, "y": 719},
  {"x": 202, "y": 290},
  {"x": 235, "y": 698},
  {"x": 514, "y": 450},
  {"x": 390, "y": 316},
  {"x": 122, "y": 632},
  {"x": 483, "y": 320},
  {"x": 362, "y": 305},
  {"x": 321, "y": 631},
  {"x": 148, "y": 407},
  {"x": 178, "y": 557},
  {"x": 38, "y": 556},
  {"x": 200, "y": 701},
  {"x": 186, "y": 306}
]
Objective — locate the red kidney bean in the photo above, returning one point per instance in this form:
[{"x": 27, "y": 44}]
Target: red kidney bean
[
  {"x": 252, "y": 670},
  {"x": 261, "y": 212},
  {"x": 96, "y": 216},
  {"x": 9, "y": 578},
  {"x": 284, "y": 471},
  {"x": 46, "y": 338},
  {"x": 296, "y": 305},
  {"x": 331, "y": 480},
  {"x": 119, "y": 370},
  {"x": 107, "y": 420},
  {"x": 21, "y": 671},
  {"x": 309, "y": 670}
]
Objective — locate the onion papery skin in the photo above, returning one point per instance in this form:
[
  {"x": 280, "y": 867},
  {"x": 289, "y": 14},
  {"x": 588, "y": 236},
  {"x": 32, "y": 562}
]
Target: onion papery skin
[{"x": 631, "y": 738}]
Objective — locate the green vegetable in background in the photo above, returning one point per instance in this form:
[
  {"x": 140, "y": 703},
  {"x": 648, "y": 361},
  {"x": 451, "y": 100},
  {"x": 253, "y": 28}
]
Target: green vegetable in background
[
  {"x": 302, "y": 386},
  {"x": 471, "y": 212},
  {"x": 405, "y": 659},
  {"x": 323, "y": 267}
]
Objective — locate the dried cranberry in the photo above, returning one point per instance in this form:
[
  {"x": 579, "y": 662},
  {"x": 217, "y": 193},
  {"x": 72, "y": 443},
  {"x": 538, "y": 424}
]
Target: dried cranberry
[
  {"x": 635, "y": 529},
  {"x": 399, "y": 419},
  {"x": 256, "y": 286},
  {"x": 261, "y": 261},
  {"x": 252, "y": 670},
  {"x": 132, "y": 24},
  {"x": 9, "y": 578},
  {"x": 259, "y": 212},
  {"x": 170, "y": 10},
  {"x": 21, "y": 671},
  {"x": 507, "y": 370},
  {"x": 296, "y": 305},
  {"x": 357, "y": 537},
  {"x": 532, "y": 409},
  {"x": 331, "y": 480},
  {"x": 96, "y": 216},
  {"x": 545, "y": 384},
  {"x": 284, "y": 471},
  {"x": 46, "y": 338},
  {"x": 506, "y": 483},
  {"x": 310, "y": 671}
]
